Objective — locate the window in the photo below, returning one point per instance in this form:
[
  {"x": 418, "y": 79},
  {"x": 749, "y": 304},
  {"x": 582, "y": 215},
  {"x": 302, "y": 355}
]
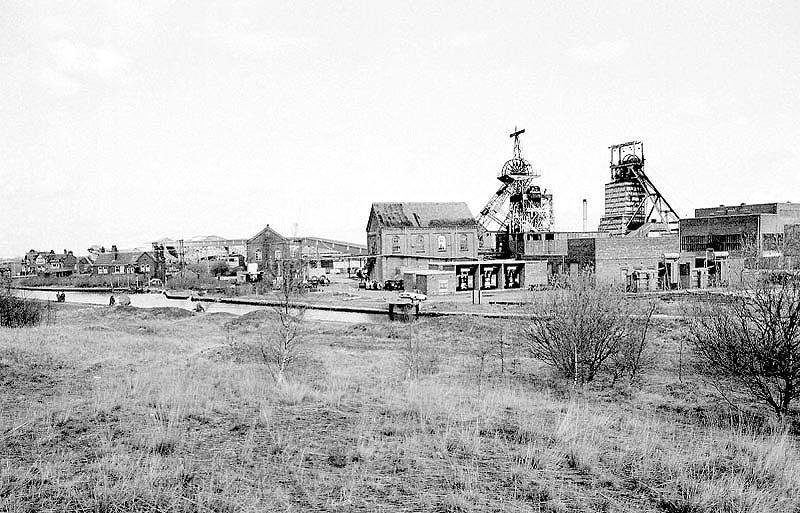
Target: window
[
  {"x": 395, "y": 244},
  {"x": 444, "y": 286},
  {"x": 419, "y": 242},
  {"x": 278, "y": 254},
  {"x": 258, "y": 255},
  {"x": 463, "y": 242},
  {"x": 442, "y": 243},
  {"x": 116, "y": 269},
  {"x": 695, "y": 243}
]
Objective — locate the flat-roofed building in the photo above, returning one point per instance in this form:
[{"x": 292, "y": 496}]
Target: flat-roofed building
[{"x": 718, "y": 240}]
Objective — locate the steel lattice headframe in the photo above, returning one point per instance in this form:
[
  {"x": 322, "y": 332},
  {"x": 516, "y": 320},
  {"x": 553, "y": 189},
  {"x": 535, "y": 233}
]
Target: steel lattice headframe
[{"x": 519, "y": 205}]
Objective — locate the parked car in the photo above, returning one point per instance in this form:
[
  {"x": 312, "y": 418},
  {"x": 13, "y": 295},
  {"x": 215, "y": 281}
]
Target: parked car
[
  {"x": 413, "y": 296},
  {"x": 319, "y": 280},
  {"x": 393, "y": 285}
]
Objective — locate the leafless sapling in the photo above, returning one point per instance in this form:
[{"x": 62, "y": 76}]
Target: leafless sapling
[{"x": 282, "y": 347}]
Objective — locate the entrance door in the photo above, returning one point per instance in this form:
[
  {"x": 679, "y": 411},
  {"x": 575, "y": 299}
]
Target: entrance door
[{"x": 683, "y": 272}]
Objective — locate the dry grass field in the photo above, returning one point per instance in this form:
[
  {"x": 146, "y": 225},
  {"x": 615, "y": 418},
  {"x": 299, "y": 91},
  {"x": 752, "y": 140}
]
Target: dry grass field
[{"x": 123, "y": 409}]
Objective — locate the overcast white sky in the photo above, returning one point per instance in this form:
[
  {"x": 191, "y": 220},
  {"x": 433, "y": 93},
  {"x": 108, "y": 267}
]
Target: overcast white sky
[{"x": 126, "y": 122}]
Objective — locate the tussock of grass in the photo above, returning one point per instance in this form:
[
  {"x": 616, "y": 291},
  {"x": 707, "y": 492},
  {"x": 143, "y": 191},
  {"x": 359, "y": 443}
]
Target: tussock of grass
[{"x": 128, "y": 420}]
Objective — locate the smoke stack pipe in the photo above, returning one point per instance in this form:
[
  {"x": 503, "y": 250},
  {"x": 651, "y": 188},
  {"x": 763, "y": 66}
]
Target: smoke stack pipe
[{"x": 584, "y": 214}]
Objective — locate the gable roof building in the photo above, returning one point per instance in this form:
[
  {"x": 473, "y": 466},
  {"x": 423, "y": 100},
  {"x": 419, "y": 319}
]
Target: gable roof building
[
  {"x": 420, "y": 215},
  {"x": 412, "y": 235},
  {"x": 265, "y": 247},
  {"x": 48, "y": 262},
  {"x": 124, "y": 262}
]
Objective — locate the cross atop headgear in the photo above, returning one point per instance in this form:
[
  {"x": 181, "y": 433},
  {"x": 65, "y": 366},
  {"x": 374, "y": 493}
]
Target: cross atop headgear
[{"x": 515, "y": 134}]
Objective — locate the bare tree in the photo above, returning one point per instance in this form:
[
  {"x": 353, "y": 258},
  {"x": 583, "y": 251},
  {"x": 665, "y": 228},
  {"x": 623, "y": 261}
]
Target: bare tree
[
  {"x": 631, "y": 357},
  {"x": 280, "y": 349},
  {"x": 576, "y": 329},
  {"x": 749, "y": 345}
]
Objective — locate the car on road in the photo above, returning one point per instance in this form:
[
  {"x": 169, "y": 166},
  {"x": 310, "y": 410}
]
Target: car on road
[{"x": 413, "y": 296}]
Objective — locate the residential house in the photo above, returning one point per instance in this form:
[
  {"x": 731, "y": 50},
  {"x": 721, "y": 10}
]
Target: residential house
[
  {"x": 84, "y": 265},
  {"x": 403, "y": 236},
  {"x": 128, "y": 263},
  {"x": 48, "y": 263}
]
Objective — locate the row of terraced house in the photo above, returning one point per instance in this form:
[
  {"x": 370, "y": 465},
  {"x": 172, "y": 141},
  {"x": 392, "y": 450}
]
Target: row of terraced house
[
  {"x": 98, "y": 262},
  {"x": 258, "y": 253}
]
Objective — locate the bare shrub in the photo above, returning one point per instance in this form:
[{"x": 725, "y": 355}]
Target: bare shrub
[
  {"x": 631, "y": 357},
  {"x": 219, "y": 268},
  {"x": 481, "y": 340},
  {"x": 578, "y": 328},
  {"x": 16, "y": 312},
  {"x": 749, "y": 344}
]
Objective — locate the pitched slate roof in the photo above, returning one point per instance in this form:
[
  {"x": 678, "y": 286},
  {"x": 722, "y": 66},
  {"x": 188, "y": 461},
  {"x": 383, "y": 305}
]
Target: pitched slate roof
[
  {"x": 422, "y": 215},
  {"x": 49, "y": 256},
  {"x": 118, "y": 258},
  {"x": 269, "y": 233},
  {"x": 61, "y": 256}
]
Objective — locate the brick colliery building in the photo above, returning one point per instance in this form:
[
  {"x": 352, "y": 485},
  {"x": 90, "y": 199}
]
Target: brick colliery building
[
  {"x": 414, "y": 235},
  {"x": 718, "y": 241},
  {"x": 709, "y": 249}
]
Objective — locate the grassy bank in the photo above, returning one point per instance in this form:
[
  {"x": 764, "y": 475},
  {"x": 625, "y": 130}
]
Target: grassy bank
[{"x": 151, "y": 410}]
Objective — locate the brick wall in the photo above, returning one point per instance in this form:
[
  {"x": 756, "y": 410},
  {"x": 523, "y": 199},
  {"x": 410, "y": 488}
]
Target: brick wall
[
  {"x": 581, "y": 252},
  {"x": 391, "y": 267},
  {"x": 616, "y": 256},
  {"x": 792, "y": 240},
  {"x": 425, "y": 242}
]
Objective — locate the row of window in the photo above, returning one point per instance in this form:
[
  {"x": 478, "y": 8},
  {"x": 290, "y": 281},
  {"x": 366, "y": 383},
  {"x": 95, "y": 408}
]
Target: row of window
[
  {"x": 259, "y": 256},
  {"x": 695, "y": 243},
  {"x": 730, "y": 242},
  {"x": 120, "y": 269},
  {"x": 418, "y": 243}
]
